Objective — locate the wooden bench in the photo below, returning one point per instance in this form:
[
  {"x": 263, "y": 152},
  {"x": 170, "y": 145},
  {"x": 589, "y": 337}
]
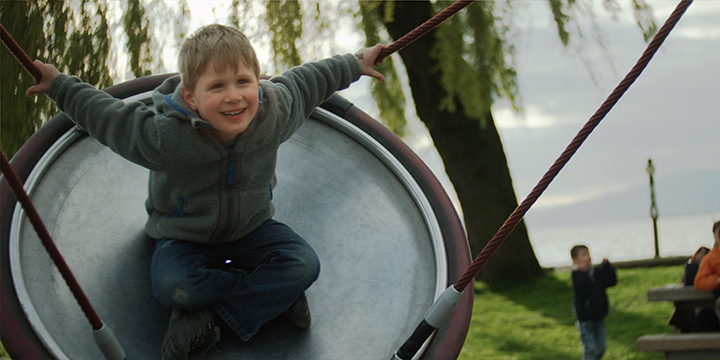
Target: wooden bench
[
  {"x": 686, "y": 299},
  {"x": 683, "y": 346},
  {"x": 679, "y": 293}
]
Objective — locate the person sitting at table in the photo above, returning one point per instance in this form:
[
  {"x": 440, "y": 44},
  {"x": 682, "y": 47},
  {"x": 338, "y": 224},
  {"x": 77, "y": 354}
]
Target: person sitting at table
[
  {"x": 686, "y": 320},
  {"x": 691, "y": 267},
  {"x": 708, "y": 279}
]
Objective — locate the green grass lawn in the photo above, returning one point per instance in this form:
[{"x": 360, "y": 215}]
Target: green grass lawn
[{"x": 534, "y": 320}]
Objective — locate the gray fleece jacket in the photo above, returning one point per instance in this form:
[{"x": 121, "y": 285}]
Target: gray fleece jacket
[{"x": 200, "y": 189}]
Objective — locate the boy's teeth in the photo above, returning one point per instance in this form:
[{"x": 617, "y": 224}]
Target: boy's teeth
[{"x": 233, "y": 113}]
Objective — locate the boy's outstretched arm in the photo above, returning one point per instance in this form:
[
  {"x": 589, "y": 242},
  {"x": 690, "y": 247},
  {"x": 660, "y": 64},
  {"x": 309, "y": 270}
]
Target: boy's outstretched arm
[
  {"x": 49, "y": 73},
  {"x": 366, "y": 58}
]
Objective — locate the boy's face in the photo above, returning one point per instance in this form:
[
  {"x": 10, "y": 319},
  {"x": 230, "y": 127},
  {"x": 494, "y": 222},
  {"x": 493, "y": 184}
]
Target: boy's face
[
  {"x": 228, "y": 99},
  {"x": 582, "y": 260}
]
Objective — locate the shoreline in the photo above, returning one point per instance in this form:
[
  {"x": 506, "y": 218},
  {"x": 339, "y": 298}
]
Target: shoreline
[{"x": 628, "y": 264}]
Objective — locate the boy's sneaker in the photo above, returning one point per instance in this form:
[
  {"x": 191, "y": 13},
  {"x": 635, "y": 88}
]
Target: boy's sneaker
[
  {"x": 299, "y": 312},
  {"x": 188, "y": 331}
]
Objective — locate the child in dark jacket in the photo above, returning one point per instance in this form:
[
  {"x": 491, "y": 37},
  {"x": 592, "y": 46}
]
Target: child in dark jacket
[{"x": 591, "y": 303}]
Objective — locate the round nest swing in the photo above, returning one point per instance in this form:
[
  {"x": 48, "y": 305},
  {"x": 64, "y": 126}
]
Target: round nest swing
[{"x": 387, "y": 235}]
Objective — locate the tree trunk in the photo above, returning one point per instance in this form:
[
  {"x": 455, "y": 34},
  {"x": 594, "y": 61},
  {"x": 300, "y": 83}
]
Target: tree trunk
[{"x": 473, "y": 156}]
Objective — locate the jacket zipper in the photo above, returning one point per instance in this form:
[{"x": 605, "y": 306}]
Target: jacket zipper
[{"x": 228, "y": 207}]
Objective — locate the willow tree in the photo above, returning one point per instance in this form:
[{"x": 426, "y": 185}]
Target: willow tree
[
  {"x": 455, "y": 74},
  {"x": 75, "y": 41},
  {"x": 76, "y": 36},
  {"x": 135, "y": 24}
]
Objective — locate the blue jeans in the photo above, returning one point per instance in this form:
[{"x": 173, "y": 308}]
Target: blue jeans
[
  {"x": 247, "y": 282},
  {"x": 592, "y": 336}
]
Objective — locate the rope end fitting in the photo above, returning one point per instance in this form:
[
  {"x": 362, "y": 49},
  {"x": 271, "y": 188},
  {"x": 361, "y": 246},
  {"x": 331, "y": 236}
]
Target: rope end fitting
[
  {"x": 108, "y": 343},
  {"x": 434, "y": 317}
]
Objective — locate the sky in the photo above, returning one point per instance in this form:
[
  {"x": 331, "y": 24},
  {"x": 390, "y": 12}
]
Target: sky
[{"x": 670, "y": 114}]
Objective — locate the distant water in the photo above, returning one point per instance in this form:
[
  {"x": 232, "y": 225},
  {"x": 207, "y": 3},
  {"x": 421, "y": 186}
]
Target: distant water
[{"x": 623, "y": 240}]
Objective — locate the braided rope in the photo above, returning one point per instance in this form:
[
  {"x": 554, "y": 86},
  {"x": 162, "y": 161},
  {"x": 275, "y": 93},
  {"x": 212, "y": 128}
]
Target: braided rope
[
  {"x": 423, "y": 29},
  {"x": 17, "y": 188},
  {"x": 520, "y": 211},
  {"x": 11, "y": 177},
  {"x": 19, "y": 54}
]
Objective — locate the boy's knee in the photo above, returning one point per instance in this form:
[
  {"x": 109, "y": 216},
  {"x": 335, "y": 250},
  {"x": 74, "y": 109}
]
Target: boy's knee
[
  {"x": 312, "y": 267},
  {"x": 175, "y": 290},
  {"x": 308, "y": 267},
  {"x": 177, "y": 297},
  {"x": 170, "y": 293}
]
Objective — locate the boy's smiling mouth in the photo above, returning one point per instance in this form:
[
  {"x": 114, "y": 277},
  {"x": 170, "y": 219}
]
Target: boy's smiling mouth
[{"x": 233, "y": 113}]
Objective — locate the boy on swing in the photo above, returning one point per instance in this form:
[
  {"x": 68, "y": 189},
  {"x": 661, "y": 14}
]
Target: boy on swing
[{"x": 211, "y": 148}]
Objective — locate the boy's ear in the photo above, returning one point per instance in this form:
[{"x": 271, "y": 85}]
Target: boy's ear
[{"x": 188, "y": 97}]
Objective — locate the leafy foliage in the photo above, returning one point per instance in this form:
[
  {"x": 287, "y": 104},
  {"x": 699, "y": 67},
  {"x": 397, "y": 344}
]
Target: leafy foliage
[
  {"x": 285, "y": 21},
  {"x": 482, "y": 68},
  {"x": 474, "y": 48},
  {"x": 77, "y": 37},
  {"x": 476, "y": 54},
  {"x": 139, "y": 43},
  {"x": 389, "y": 95},
  {"x": 644, "y": 18},
  {"x": 75, "y": 40}
]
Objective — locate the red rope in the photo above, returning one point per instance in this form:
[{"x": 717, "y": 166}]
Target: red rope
[
  {"x": 32, "y": 214},
  {"x": 520, "y": 211},
  {"x": 423, "y": 29},
  {"x": 19, "y": 54}
]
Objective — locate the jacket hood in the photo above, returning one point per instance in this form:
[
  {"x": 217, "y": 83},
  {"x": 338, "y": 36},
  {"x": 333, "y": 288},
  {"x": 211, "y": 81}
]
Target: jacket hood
[{"x": 168, "y": 100}]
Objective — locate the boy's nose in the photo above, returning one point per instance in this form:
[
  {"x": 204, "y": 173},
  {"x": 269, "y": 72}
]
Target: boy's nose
[{"x": 233, "y": 95}]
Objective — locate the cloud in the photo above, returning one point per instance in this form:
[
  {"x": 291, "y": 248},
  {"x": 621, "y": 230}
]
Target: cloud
[
  {"x": 581, "y": 195},
  {"x": 533, "y": 117}
]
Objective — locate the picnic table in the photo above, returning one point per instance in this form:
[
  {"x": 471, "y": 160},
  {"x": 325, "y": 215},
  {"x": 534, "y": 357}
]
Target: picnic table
[{"x": 682, "y": 343}]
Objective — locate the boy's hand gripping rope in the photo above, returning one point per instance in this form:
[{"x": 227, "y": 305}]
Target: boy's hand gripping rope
[
  {"x": 443, "y": 306},
  {"x": 103, "y": 335}
]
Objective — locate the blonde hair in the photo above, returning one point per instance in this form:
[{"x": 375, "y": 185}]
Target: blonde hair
[{"x": 221, "y": 45}]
